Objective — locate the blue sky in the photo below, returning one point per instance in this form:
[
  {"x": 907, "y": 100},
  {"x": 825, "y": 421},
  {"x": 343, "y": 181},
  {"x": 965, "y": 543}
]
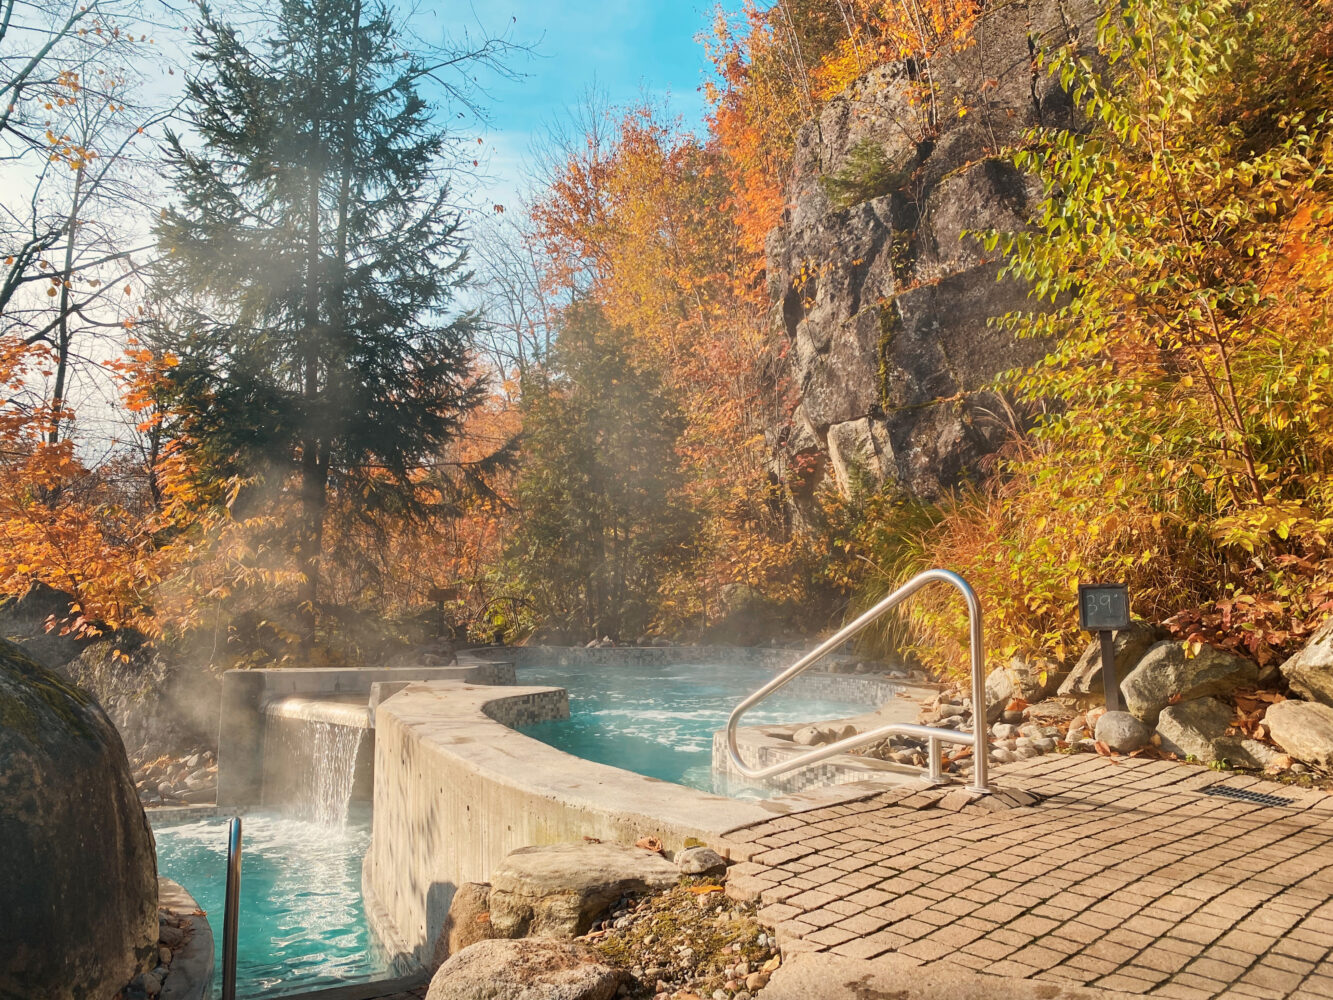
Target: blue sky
[{"x": 626, "y": 49}]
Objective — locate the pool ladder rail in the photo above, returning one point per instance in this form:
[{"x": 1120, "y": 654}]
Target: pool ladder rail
[
  {"x": 231, "y": 914},
  {"x": 933, "y": 735}
]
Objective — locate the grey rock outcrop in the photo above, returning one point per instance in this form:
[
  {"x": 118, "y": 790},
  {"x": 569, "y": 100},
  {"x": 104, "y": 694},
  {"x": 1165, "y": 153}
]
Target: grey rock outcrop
[
  {"x": 1304, "y": 729},
  {"x": 1310, "y": 672},
  {"x": 1166, "y": 674},
  {"x": 77, "y": 859},
  {"x": 24, "y": 621},
  {"x": 529, "y": 969},
  {"x": 884, "y": 302},
  {"x": 1085, "y": 680},
  {"x": 557, "y": 890}
]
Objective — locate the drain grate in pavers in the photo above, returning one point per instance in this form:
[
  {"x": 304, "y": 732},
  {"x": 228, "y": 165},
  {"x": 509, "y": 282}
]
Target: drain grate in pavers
[{"x": 1245, "y": 795}]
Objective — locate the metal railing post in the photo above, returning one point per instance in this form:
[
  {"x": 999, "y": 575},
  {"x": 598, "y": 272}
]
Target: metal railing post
[
  {"x": 934, "y": 765},
  {"x": 230, "y": 919},
  {"x": 933, "y": 735}
]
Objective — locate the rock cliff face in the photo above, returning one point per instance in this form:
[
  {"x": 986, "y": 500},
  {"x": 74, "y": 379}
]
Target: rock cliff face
[
  {"x": 77, "y": 861},
  {"x": 883, "y": 303}
]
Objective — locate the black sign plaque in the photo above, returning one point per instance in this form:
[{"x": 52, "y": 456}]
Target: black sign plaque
[{"x": 1103, "y": 607}]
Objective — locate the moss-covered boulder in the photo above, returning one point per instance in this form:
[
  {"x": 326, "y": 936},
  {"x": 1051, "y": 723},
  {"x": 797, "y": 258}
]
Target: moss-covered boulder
[{"x": 78, "y": 868}]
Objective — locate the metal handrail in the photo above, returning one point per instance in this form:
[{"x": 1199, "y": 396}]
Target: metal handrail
[
  {"x": 230, "y": 918},
  {"x": 933, "y": 735}
]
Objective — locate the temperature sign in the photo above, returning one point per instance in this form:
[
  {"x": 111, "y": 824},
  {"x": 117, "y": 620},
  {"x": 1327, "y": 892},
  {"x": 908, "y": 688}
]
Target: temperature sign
[{"x": 1103, "y": 606}]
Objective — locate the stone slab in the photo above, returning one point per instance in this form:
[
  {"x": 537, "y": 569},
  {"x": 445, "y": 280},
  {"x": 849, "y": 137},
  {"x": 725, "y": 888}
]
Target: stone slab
[{"x": 832, "y": 977}]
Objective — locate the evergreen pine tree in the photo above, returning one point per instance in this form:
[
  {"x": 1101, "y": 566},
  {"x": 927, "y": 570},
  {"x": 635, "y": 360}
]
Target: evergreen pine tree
[{"x": 314, "y": 236}]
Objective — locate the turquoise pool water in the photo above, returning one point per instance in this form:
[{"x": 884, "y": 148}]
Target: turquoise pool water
[
  {"x": 302, "y": 925},
  {"x": 659, "y": 720}
]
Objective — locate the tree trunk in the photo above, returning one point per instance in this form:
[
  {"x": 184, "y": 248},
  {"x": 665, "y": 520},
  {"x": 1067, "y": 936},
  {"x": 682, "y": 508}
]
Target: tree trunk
[
  {"x": 63, "y": 336},
  {"x": 313, "y": 471}
]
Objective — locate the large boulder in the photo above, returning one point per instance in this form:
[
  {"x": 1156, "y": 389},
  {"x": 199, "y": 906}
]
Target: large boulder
[
  {"x": 1166, "y": 675},
  {"x": 529, "y": 969},
  {"x": 77, "y": 860},
  {"x": 557, "y": 890},
  {"x": 1198, "y": 729},
  {"x": 1304, "y": 729},
  {"x": 1085, "y": 680},
  {"x": 1310, "y": 672},
  {"x": 468, "y": 921}
]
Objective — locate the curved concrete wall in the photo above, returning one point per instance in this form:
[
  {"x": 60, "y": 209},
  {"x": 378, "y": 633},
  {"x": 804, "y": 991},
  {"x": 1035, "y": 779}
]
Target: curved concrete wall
[{"x": 456, "y": 790}]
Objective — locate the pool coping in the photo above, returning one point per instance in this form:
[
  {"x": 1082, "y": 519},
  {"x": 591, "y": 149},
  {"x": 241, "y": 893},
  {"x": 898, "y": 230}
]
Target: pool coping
[{"x": 191, "y": 973}]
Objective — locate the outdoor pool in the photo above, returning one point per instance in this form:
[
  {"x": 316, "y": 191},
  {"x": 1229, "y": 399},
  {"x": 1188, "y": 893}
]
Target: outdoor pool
[
  {"x": 302, "y": 924},
  {"x": 659, "y": 719}
]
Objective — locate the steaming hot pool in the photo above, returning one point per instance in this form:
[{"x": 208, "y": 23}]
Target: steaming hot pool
[
  {"x": 658, "y": 720},
  {"x": 302, "y": 921},
  {"x": 302, "y": 924}
]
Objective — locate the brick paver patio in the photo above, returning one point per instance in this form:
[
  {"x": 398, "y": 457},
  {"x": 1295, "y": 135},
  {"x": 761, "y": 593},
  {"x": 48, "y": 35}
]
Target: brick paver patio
[{"x": 1123, "y": 875}]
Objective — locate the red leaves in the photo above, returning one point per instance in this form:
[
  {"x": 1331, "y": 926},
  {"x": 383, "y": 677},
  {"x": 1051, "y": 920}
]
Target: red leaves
[{"x": 1250, "y": 709}]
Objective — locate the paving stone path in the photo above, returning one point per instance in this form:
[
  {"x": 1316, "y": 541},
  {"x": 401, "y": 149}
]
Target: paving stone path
[{"x": 1122, "y": 875}]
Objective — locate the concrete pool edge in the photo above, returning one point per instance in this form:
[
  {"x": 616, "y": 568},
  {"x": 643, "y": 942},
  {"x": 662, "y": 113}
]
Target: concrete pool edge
[
  {"x": 456, "y": 789},
  {"x": 191, "y": 975}
]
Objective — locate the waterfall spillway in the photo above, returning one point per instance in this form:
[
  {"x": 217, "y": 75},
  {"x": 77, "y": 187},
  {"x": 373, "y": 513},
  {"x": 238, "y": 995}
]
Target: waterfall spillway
[{"x": 311, "y": 753}]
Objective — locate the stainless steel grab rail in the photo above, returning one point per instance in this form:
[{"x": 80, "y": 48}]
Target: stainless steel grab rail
[
  {"x": 230, "y": 919},
  {"x": 933, "y": 735}
]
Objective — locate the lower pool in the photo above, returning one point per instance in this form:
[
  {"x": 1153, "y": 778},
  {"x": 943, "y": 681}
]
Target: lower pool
[
  {"x": 659, "y": 719},
  {"x": 302, "y": 923}
]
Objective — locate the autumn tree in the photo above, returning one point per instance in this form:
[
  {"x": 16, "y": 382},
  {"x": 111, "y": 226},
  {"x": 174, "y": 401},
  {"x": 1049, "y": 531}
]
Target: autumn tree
[
  {"x": 631, "y": 218},
  {"x": 599, "y": 523},
  {"x": 316, "y": 257}
]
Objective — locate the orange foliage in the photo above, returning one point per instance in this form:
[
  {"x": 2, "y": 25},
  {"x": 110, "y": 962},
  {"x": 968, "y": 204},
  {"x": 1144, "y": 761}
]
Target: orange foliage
[
  {"x": 91, "y": 533},
  {"x": 641, "y": 219}
]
